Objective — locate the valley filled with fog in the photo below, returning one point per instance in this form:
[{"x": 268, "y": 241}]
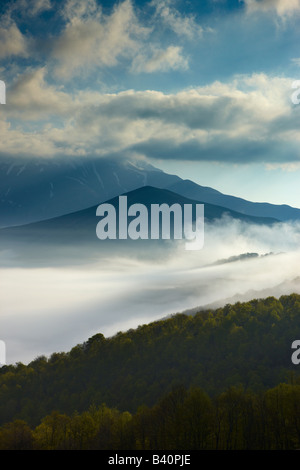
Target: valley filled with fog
[{"x": 56, "y": 296}]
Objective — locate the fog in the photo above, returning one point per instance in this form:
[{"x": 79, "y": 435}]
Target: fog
[{"x": 51, "y": 308}]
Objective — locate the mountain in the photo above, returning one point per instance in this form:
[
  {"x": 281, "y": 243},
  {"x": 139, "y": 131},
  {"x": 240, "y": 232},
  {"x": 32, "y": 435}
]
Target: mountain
[
  {"x": 241, "y": 257},
  {"x": 72, "y": 237},
  {"x": 194, "y": 191},
  {"x": 40, "y": 189},
  {"x": 287, "y": 287},
  {"x": 81, "y": 224},
  {"x": 32, "y": 190}
]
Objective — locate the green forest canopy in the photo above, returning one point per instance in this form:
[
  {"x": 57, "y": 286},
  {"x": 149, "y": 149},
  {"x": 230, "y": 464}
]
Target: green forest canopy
[{"x": 244, "y": 345}]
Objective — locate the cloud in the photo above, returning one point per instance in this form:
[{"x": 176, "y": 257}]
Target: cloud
[
  {"x": 31, "y": 94},
  {"x": 89, "y": 40},
  {"x": 92, "y": 40},
  {"x": 250, "y": 119},
  {"x": 33, "y": 7},
  {"x": 27, "y": 8},
  {"x": 296, "y": 61},
  {"x": 56, "y": 308},
  {"x": 281, "y": 7},
  {"x": 160, "y": 61},
  {"x": 171, "y": 18},
  {"x": 12, "y": 41},
  {"x": 220, "y": 149},
  {"x": 76, "y": 9}
]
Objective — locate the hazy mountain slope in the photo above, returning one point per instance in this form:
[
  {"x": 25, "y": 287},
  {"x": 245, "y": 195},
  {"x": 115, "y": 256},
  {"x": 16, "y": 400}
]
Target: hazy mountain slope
[
  {"x": 82, "y": 224},
  {"x": 192, "y": 190},
  {"x": 72, "y": 237},
  {"x": 39, "y": 189}
]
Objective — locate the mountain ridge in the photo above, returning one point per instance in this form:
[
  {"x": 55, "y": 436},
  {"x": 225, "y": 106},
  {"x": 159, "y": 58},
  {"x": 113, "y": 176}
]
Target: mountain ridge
[
  {"x": 33, "y": 190},
  {"x": 193, "y": 190},
  {"x": 146, "y": 195}
]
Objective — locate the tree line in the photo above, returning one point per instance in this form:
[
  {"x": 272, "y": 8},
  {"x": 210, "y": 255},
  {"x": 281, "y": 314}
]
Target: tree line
[
  {"x": 244, "y": 345},
  {"x": 182, "y": 420}
]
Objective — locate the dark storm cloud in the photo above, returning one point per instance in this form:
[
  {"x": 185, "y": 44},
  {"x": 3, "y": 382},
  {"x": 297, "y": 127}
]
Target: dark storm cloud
[{"x": 220, "y": 150}]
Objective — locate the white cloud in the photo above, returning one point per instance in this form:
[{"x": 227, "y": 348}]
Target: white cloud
[
  {"x": 27, "y": 7},
  {"x": 30, "y": 94},
  {"x": 77, "y": 9},
  {"x": 91, "y": 39},
  {"x": 172, "y": 19},
  {"x": 296, "y": 61},
  {"x": 281, "y": 7},
  {"x": 47, "y": 314},
  {"x": 34, "y": 7},
  {"x": 249, "y": 119},
  {"x": 161, "y": 60},
  {"x": 12, "y": 41}
]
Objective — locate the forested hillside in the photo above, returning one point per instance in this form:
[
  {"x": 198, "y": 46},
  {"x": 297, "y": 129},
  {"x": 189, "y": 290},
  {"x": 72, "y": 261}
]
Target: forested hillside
[{"x": 246, "y": 344}]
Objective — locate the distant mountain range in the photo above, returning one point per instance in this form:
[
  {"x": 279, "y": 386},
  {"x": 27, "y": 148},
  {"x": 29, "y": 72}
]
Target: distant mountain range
[
  {"x": 40, "y": 189},
  {"x": 35, "y": 190},
  {"x": 81, "y": 225},
  {"x": 241, "y": 257},
  {"x": 287, "y": 287},
  {"x": 192, "y": 190},
  {"x": 73, "y": 236}
]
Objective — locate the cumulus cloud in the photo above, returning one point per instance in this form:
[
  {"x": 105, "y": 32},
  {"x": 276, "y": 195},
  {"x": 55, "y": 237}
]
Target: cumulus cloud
[
  {"x": 249, "y": 119},
  {"x": 33, "y": 7},
  {"x": 91, "y": 39},
  {"x": 12, "y": 41},
  {"x": 32, "y": 94},
  {"x": 182, "y": 25},
  {"x": 27, "y": 8},
  {"x": 281, "y": 7},
  {"x": 160, "y": 60},
  {"x": 76, "y": 9}
]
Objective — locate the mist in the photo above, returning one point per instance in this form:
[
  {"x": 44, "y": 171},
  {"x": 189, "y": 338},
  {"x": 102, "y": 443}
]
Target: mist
[{"x": 51, "y": 307}]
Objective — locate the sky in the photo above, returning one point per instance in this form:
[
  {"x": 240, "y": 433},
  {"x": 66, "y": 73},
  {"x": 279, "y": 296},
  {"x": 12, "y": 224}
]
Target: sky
[{"x": 199, "y": 89}]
